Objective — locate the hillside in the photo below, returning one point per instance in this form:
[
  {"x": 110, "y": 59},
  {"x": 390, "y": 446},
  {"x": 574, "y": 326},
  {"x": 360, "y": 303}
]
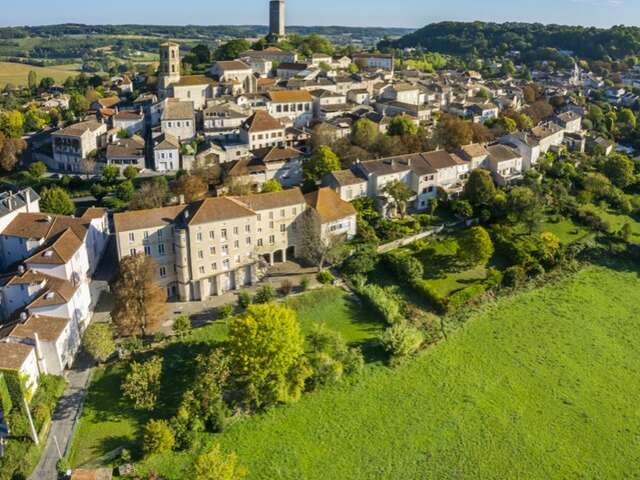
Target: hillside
[
  {"x": 18, "y": 73},
  {"x": 542, "y": 385},
  {"x": 458, "y": 38}
]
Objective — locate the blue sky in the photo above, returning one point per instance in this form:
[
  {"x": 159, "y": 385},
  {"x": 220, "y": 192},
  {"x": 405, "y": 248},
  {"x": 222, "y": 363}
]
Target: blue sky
[{"x": 400, "y": 13}]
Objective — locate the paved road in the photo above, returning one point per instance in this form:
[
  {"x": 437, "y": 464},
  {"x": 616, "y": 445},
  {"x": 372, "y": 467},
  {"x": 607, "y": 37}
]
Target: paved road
[{"x": 64, "y": 419}]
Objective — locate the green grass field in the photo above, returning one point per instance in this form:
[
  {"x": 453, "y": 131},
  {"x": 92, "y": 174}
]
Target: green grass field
[
  {"x": 541, "y": 385},
  {"x": 617, "y": 221},
  {"x": 18, "y": 73},
  {"x": 108, "y": 421}
]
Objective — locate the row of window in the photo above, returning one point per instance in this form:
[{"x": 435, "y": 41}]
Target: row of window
[
  {"x": 300, "y": 107},
  {"x": 179, "y": 124},
  {"x": 266, "y": 136}
]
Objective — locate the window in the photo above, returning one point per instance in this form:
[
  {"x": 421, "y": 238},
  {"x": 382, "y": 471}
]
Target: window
[
  {"x": 147, "y": 250},
  {"x": 236, "y": 244},
  {"x": 132, "y": 252},
  {"x": 212, "y": 250},
  {"x": 161, "y": 249},
  {"x": 259, "y": 217},
  {"x": 225, "y": 250},
  {"x": 223, "y": 233},
  {"x": 295, "y": 211},
  {"x": 247, "y": 228},
  {"x": 199, "y": 236},
  {"x": 282, "y": 214},
  {"x": 226, "y": 265},
  {"x": 259, "y": 242},
  {"x": 200, "y": 254},
  {"x": 235, "y": 230},
  {"x": 211, "y": 235},
  {"x": 160, "y": 234},
  {"x": 270, "y": 215},
  {"x": 214, "y": 266},
  {"x": 163, "y": 272},
  {"x": 272, "y": 239},
  {"x": 270, "y": 224},
  {"x": 248, "y": 241},
  {"x": 283, "y": 228},
  {"x": 132, "y": 237},
  {"x": 201, "y": 269}
]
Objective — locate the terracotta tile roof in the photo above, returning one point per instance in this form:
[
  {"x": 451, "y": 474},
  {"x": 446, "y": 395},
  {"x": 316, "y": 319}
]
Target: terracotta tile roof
[
  {"x": 233, "y": 65},
  {"x": 193, "y": 80},
  {"x": 178, "y": 110},
  {"x": 78, "y": 129},
  {"x": 218, "y": 209},
  {"x": 58, "y": 252},
  {"x": 329, "y": 205},
  {"x": 56, "y": 292},
  {"x": 128, "y": 115},
  {"x": 44, "y": 226},
  {"x": 290, "y": 96},
  {"x": 440, "y": 159},
  {"x": 277, "y": 154},
  {"x": 109, "y": 102},
  {"x": 13, "y": 355},
  {"x": 92, "y": 474},
  {"x": 269, "y": 201},
  {"x": 502, "y": 153},
  {"x": 346, "y": 177},
  {"x": 126, "y": 147},
  {"x": 93, "y": 213},
  {"x": 141, "y": 219},
  {"x": 48, "y": 329},
  {"x": 169, "y": 142},
  {"x": 474, "y": 150},
  {"x": 261, "y": 121}
]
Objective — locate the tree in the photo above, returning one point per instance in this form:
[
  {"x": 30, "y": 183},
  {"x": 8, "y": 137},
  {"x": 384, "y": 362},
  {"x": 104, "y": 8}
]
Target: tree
[
  {"x": 32, "y": 80},
  {"x": 216, "y": 465},
  {"x": 125, "y": 191},
  {"x": 480, "y": 189},
  {"x": 157, "y": 437},
  {"x": 524, "y": 207},
  {"x": 597, "y": 184},
  {"x": 362, "y": 261},
  {"x": 272, "y": 185},
  {"x": 182, "y": 326},
  {"x": 267, "y": 353},
  {"x": 364, "y": 133},
  {"x": 316, "y": 248},
  {"x": 78, "y": 104},
  {"x": 110, "y": 174},
  {"x": 401, "y": 126},
  {"x": 139, "y": 303},
  {"x": 36, "y": 119},
  {"x": 628, "y": 118},
  {"x": 56, "y": 200},
  {"x": 98, "y": 341},
  {"x": 12, "y": 123},
  {"x": 462, "y": 208},
  {"x": 142, "y": 383},
  {"x": 400, "y": 194},
  {"x": 330, "y": 358},
  {"x": 620, "y": 170},
  {"x": 323, "y": 161},
  {"x": 232, "y": 49},
  {"x": 37, "y": 170},
  {"x": 453, "y": 132},
  {"x": 402, "y": 340},
  {"x": 508, "y": 124},
  {"x": 130, "y": 172},
  {"x": 151, "y": 194},
  {"x": 192, "y": 187},
  {"x": 475, "y": 247},
  {"x": 10, "y": 148}
]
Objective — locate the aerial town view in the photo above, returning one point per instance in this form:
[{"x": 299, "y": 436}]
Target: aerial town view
[{"x": 282, "y": 239}]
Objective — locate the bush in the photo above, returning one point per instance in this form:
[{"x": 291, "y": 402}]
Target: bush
[
  {"x": 402, "y": 340},
  {"x": 384, "y": 303},
  {"x": 157, "y": 437},
  {"x": 514, "y": 277},
  {"x": 325, "y": 277},
  {"x": 133, "y": 344},
  {"x": 406, "y": 267},
  {"x": 244, "y": 299},
  {"x": 265, "y": 294},
  {"x": 182, "y": 326},
  {"x": 225, "y": 311},
  {"x": 304, "y": 284},
  {"x": 98, "y": 341},
  {"x": 41, "y": 415},
  {"x": 464, "y": 296},
  {"x": 142, "y": 383},
  {"x": 362, "y": 261},
  {"x": 286, "y": 287},
  {"x": 437, "y": 301}
]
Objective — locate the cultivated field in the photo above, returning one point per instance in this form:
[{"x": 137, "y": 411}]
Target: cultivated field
[
  {"x": 541, "y": 385},
  {"x": 18, "y": 73}
]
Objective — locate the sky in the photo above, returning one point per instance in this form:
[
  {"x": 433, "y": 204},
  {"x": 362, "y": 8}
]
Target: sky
[{"x": 388, "y": 13}]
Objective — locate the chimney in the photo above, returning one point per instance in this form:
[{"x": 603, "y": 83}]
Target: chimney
[
  {"x": 27, "y": 198},
  {"x": 181, "y": 199}
]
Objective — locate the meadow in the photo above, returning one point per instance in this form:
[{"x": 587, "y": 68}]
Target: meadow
[
  {"x": 18, "y": 73},
  {"x": 543, "y": 384}
]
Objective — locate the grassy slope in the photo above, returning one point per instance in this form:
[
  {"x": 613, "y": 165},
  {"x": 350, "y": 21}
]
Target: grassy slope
[
  {"x": 544, "y": 385},
  {"x": 108, "y": 421},
  {"x": 18, "y": 73}
]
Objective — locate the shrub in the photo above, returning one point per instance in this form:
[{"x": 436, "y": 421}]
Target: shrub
[
  {"x": 98, "y": 341},
  {"x": 514, "y": 276},
  {"x": 325, "y": 277},
  {"x": 406, "y": 267},
  {"x": 437, "y": 301},
  {"x": 402, "y": 340},
  {"x": 182, "y": 325},
  {"x": 428, "y": 323},
  {"x": 225, "y": 311},
  {"x": 464, "y": 296},
  {"x": 265, "y": 294},
  {"x": 142, "y": 383},
  {"x": 133, "y": 344},
  {"x": 362, "y": 261},
  {"x": 286, "y": 287},
  {"x": 304, "y": 283},
  {"x": 157, "y": 437},
  {"x": 382, "y": 302},
  {"x": 244, "y": 299},
  {"x": 41, "y": 415}
]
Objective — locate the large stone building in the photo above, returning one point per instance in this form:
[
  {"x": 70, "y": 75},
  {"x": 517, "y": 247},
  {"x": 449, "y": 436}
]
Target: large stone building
[
  {"x": 219, "y": 244},
  {"x": 169, "y": 72}
]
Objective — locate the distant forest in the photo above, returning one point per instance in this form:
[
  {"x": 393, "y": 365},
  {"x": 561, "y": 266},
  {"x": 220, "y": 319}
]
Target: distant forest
[
  {"x": 189, "y": 31},
  {"x": 493, "y": 39}
]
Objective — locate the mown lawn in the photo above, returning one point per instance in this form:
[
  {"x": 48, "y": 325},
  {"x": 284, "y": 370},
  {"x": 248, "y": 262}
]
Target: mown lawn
[
  {"x": 617, "y": 221},
  {"x": 542, "y": 385},
  {"x": 109, "y": 422}
]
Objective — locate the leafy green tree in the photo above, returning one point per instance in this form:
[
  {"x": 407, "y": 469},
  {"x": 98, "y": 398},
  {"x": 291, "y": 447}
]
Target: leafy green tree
[
  {"x": 157, "y": 437},
  {"x": 232, "y": 49},
  {"x": 453, "y": 132},
  {"x": 323, "y": 161},
  {"x": 524, "y": 207},
  {"x": 364, "y": 133},
  {"x": 597, "y": 184},
  {"x": 480, "y": 189},
  {"x": 620, "y": 170},
  {"x": 130, "y": 172},
  {"x": 402, "y": 340},
  {"x": 265, "y": 294},
  {"x": 142, "y": 383},
  {"x": 362, "y": 261},
  {"x": 628, "y": 118},
  {"x": 272, "y": 185},
  {"x": 400, "y": 195},
  {"x": 462, "y": 208},
  {"x": 125, "y": 191},
  {"x": 267, "y": 353},
  {"x": 508, "y": 124},
  {"x": 330, "y": 358},
  {"x": 110, "y": 174},
  {"x": 182, "y": 326},
  {"x": 57, "y": 201},
  {"x": 98, "y": 341},
  {"x": 32, "y": 80},
  {"x": 12, "y": 123},
  {"x": 36, "y": 119},
  {"x": 217, "y": 465},
  {"x": 78, "y": 104},
  {"x": 475, "y": 247},
  {"x": 401, "y": 125},
  {"x": 37, "y": 170}
]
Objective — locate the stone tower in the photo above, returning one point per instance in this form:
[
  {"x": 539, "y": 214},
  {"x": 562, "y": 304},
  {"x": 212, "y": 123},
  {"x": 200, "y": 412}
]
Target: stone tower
[
  {"x": 169, "y": 66},
  {"x": 276, "y": 19}
]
